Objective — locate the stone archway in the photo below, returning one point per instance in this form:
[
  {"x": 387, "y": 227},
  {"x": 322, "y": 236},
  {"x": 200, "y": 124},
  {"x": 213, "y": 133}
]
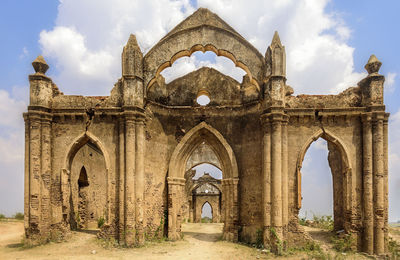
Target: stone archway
[
  {"x": 176, "y": 181},
  {"x": 66, "y": 178},
  {"x": 341, "y": 173}
]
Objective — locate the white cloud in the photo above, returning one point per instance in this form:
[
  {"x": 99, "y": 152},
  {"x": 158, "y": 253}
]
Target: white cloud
[
  {"x": 390, "y": 80},
  {"x": 186, "y": 65},
  {"x": 319, "y": 61},
  {"x": 24, "y": 53}
]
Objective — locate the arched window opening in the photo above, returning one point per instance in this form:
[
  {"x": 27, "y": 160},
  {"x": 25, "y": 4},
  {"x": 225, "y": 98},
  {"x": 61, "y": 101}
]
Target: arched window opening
[
  {"x": 83, "y": 179},
  {"x": 206, "y": 213},
  {"x": 206, "y": 168},
  {"x": 197, "y": 60}
]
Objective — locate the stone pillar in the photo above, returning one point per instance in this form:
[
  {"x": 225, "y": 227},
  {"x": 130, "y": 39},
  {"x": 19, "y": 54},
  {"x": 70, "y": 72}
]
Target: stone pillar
[
  {"x": 276, "y": 176},
  {"x": 227, "y": 206},
  {"x": 121, "y": 187},
  {"x": 285, "y": 183},
  {"x": 34, "y": 174},
  {"x": 379, "y": 198},
  {"x": 266, "y": 169},
  {"x": 130, "y": 140},
  {"x": 139, "y": 180},
  {"x": 385, "y": 178},
  {"x": 175, "y": 191},
  {"x": 368, "y": 185},
  {"x": 27, "y": 173},
  {"x": 45, "y": 173}
]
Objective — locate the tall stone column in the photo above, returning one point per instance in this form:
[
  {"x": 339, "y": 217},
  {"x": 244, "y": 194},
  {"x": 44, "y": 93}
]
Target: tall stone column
[
  {"x": 27, "y": 173},
  {"x": 34, "y": 174},
  {"x": 45, "y": 172},
  {"x": 130, "y": 214},
  {"x": 139, "y": 179},
  {"x": 379, "y": 184},
  {"x": 121, "y": 187},
  {"x": 266, "y": 169},
  {"x": 386, "y": 175},
  {"x": 368, "y": 185},
  {"x": 285, "y": 184},
  {"x": 276, "y": 175}
]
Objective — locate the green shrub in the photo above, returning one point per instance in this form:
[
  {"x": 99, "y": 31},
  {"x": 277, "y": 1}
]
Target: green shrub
[
  {"x": 100, "y": 221},
  {"x": 324, "y": 222},
  {"x": 19, "y": 216},
  {"x": 2, "y": 216},
  {"x": 206, "y": 220},
  {"x": 394, "y": 249},
  {"x": 343, "y": 244}
]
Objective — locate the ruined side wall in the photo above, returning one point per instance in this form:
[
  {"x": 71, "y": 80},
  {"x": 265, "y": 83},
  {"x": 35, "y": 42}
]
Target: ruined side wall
[{"x": 66, "y": 130}]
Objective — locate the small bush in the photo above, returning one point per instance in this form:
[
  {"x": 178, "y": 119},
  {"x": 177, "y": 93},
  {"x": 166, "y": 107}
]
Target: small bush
[
  {"x": 2, "y": 216},
  {"x": 394, "y": 249},
  {"x": 343, "y": 244},
  {"x": 100, "y": 221},
  {"x": 19, "y": 216},
  {"x": 206, "y": 220}
]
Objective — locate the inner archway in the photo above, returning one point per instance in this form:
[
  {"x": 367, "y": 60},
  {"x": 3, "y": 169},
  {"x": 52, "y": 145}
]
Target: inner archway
[
  {"x": 206, "y": 213},
  {"x": 202, "y": 134}
]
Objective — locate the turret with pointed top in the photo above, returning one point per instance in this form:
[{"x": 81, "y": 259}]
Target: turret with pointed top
[
  {"x": 275, "y": 74},
  {"x": 372, "y": 85},
  {"x": 41, "y": 86},
  {"x": 132, "y": 74},
  {"x": 132, "y": 59},
  {"x": 275, "y": 57}
]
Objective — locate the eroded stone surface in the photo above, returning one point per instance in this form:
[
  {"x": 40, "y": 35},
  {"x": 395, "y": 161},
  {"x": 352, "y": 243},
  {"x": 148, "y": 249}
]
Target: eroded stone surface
[{"x": 144, "y": 133}]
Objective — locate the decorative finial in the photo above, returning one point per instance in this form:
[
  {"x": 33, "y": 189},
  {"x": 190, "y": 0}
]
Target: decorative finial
[
  {"x": 40, "y": 65},
  {"x": 276, "y": 41},
  {"x": 132, "y": 42},
  {"x": 373, "y": 65}
]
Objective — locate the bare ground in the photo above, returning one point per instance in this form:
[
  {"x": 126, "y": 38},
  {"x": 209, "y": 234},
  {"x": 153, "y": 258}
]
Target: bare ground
[{"x": 201, "y": 241}]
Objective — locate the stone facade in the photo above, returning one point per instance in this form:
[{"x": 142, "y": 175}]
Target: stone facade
[{"x": 144, "y": 133}]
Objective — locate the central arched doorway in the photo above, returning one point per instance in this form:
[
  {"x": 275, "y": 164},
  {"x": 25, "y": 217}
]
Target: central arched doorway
[{"x": 177, "y": 194}]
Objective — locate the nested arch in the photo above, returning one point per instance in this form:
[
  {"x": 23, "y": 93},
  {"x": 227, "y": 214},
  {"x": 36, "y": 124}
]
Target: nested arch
[
  {"x": 220, "y": 39},
  {"x": 191, "y": 140},
  {"x": 73, "y": 149}
]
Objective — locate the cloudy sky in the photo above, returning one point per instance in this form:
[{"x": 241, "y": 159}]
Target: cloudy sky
[{"x": 327, "y": 45}]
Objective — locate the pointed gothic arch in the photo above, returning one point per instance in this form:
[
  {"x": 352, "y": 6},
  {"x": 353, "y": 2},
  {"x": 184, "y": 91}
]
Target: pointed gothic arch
[
  {"x": 176, "y": 181},
  {"x": 345, "y": 177},
  {"x": 66, "y": 188}
]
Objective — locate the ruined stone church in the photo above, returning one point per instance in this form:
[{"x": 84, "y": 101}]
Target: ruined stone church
[{"x": 128, "y": 157}]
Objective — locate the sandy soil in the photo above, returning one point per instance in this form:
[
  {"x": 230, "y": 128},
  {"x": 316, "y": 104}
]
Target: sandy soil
[{"x": 201, "y": 241}]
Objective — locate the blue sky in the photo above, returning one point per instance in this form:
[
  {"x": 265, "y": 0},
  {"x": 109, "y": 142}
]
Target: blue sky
[{"x": 327, "y": 44}]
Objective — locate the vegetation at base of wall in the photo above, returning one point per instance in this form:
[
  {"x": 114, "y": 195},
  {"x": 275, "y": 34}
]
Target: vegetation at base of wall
[
  {"x": 206, "y": 220},
  {"x": 19, "y": 216},
  {"x": 259, "y": 238},
  {"x": 100, "y": 221},
  {"x": 323, "y": 222},
  {"x": 394, "y": 249},
  {"x": 343, "y": 244}
]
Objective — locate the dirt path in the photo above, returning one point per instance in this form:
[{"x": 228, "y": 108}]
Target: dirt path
[{"x": 201, "y": 241}]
